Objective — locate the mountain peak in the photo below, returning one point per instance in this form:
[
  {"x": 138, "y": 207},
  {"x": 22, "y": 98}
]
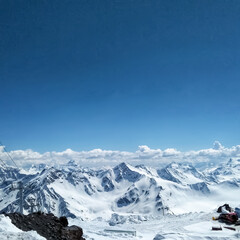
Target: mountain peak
[
  {"x": 127, "y": 172},
  {"x": 217, "y": 145},
  {"x": 71, "y": 163},
  {"x": 180, "y": 173}
]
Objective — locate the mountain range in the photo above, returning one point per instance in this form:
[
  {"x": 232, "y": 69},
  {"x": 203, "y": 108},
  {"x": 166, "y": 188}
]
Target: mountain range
[{"x": 74, "y": 191}]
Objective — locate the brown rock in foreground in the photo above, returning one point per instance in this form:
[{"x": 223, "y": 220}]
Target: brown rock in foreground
[{"x": 47, "y": 225}]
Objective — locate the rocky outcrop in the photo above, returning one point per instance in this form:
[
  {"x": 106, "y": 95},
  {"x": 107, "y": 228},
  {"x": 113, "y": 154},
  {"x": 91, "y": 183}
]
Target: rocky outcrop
[{"x": 47, "y": 225}]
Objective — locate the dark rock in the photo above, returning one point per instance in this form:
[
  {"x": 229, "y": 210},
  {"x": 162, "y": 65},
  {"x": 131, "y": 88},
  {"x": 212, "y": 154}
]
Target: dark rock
[
  {"x": 63, "y": 220},
  {"x": 47, "y": 225},
  {"x": 72, "y": 232}
]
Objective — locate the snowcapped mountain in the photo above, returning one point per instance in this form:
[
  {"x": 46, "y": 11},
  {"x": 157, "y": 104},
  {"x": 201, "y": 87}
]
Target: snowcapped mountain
[
  {"x": 74, "y": 191},
  {"x": 228, "y": 172},
  {"x": 181, "y": 173}
]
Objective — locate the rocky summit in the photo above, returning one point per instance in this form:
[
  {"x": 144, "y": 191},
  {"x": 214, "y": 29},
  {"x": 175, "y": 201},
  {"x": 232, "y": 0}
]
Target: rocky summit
[{"x": 47, "y": 225}]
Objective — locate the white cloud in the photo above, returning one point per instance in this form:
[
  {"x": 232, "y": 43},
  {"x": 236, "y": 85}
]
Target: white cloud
[
  {"x": 170, "y": 152},
  {"x": 144, "y": 154}
]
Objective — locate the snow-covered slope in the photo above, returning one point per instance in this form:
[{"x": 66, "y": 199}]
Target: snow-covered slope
[{"x": 192, "y": 226}]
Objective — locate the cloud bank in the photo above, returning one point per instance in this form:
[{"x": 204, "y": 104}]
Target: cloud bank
[{"x": 143, "y": 155}]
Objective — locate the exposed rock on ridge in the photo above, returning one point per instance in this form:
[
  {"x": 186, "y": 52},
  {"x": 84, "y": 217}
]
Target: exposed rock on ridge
[{"x": 47, "y": 225}]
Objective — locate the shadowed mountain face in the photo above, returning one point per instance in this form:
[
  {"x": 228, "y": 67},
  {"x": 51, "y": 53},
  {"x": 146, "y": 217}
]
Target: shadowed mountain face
[{"x": 73, "y": 191}]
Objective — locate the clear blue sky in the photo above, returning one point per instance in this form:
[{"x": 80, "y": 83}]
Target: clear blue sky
[{"x": 120, "y": 73}]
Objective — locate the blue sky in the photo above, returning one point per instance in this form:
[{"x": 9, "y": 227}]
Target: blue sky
[{"x": 119, "y": 74}]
